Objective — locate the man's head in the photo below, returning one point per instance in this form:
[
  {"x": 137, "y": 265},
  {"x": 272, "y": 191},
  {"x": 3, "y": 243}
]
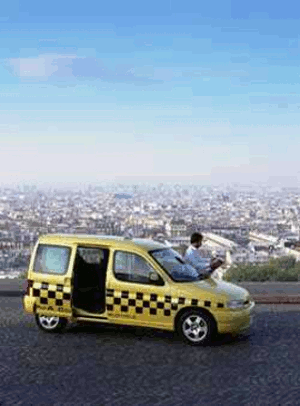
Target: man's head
[{"x": 196, "y": 240}]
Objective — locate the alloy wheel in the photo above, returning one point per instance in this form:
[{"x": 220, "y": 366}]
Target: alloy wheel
[
  {"x": 195, "y": 328},
  {"x": 49, "y": 322}
]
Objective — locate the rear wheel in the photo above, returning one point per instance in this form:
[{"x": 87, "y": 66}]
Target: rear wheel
[
  {"x": 196, "y": 327},
  {"x": 50, "y": 324}
]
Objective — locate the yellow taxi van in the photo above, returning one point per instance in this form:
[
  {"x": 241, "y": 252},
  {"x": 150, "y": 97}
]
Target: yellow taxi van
[{"x": 138, "y": 282}]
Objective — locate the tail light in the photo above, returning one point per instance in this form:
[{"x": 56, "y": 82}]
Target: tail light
[{"x": 28, "y": 285}]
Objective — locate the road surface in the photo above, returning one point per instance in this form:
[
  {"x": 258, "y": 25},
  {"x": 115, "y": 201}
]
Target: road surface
[{"x": 105, "y": 365}]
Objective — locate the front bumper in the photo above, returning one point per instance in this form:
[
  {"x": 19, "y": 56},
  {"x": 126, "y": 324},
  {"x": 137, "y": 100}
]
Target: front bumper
[{"x": 235, "y": 321}]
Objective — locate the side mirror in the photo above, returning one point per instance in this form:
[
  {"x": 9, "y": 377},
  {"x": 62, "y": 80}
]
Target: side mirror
[{"x": 155, "y": 278}]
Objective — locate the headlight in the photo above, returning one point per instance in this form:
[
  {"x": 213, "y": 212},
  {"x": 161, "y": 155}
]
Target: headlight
[{"x": 236, "y": 304}]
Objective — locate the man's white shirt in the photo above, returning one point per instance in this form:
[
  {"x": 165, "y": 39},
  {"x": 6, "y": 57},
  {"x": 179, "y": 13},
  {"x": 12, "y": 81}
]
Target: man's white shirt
[{"x": 194, "y": 258}]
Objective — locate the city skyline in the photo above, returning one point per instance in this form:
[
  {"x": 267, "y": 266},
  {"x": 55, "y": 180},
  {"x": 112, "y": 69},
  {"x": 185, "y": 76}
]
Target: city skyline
[{"x": 138, "y": 93}]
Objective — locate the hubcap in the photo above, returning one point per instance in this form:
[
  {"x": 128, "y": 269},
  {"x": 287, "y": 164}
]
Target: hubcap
[
  {"x": 195, "y": 328},
  {"x": 49, "y": 323}
]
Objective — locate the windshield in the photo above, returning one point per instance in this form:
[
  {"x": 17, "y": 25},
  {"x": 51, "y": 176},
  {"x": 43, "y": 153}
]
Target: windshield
[{"x": 175, "y": 266}]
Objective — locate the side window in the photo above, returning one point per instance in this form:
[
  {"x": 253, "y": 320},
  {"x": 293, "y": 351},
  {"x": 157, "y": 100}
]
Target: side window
[
  {"x": 52, "y": 259},
  {"x": 90, "y": 267},
  {"x": 132, "y": 268},
  {"x": 91, "y": 255}
]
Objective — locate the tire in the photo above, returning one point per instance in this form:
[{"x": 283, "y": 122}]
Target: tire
[
  {"x": 50, "y": 324},
  {"x": 196, "y": 327}
]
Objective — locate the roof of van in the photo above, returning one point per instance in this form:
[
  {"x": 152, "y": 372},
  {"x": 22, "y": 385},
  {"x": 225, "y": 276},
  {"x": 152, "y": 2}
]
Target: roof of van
[{"x": 112, "y": 241}]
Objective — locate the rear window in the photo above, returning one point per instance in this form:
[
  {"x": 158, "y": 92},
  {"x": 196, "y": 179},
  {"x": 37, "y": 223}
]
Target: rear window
[{"x": 52, "y": 259}]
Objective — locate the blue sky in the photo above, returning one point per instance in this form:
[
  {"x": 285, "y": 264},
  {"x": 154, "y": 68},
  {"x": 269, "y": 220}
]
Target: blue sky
[{"x": 160, "y": 91}]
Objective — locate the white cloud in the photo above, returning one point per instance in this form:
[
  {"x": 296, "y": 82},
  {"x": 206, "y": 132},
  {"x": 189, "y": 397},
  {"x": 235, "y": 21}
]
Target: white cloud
[
  {"x": 57, "y": 66},
  {"x": 41, "y": 67}
]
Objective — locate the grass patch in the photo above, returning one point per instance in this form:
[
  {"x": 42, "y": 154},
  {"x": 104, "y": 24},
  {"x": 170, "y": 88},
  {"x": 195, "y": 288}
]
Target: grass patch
[
  {"x": 23, "y": 275},
  {"x": 284, "y": 269}
]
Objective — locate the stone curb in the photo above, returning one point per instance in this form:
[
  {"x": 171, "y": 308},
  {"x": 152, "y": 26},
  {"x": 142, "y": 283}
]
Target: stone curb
[
  {"x": 9, "y": 293},
  {"x": 282, "y": 299}
]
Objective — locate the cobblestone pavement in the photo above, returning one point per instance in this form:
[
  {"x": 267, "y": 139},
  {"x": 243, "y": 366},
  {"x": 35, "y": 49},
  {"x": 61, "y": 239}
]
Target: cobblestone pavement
[{"x": 105, "y": 365}]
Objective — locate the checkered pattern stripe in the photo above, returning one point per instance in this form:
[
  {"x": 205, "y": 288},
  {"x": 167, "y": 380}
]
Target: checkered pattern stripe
[
  {"x": 52, "y": 295},
  {"x": 153, "y": 304}
]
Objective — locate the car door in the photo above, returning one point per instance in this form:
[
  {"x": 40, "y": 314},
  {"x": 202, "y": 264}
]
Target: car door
[
  {"x": 51, "y": 284},
  {"x": 89, "y": 278},
  {"x": 136, "y": 292}
]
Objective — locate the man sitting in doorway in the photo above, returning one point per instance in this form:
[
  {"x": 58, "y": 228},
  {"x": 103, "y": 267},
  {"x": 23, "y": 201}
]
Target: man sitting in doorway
[{"x": 193, "y": 257}]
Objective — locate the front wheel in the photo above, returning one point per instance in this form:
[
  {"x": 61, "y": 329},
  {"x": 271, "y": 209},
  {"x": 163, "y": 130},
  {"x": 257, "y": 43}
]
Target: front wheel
[
  {"x": 196, "y": 327},
  {"x": 50, "y": 324}
]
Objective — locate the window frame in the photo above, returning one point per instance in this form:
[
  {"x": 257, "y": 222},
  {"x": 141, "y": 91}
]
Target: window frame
[
  {"x": 53, "y": 246},
  {"x": 160, "y": 281}
]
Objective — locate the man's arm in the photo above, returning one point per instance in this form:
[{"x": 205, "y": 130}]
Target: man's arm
[
  {"x": 202, "y": 265},
  {"x": 205, "y": 266}
]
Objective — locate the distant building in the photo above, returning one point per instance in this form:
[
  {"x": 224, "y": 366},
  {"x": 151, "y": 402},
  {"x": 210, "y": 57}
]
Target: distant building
[
  {"x": 122, "y": 196},
  {"x": 176, "y": 228},
  {"x": 109, "y": 228},
  {"x": 242, "y": 231}
]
